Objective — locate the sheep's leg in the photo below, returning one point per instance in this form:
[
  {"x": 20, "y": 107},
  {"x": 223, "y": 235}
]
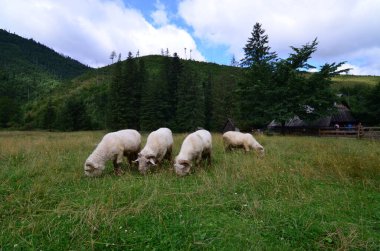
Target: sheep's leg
[
  {"x": 208, "y": 158},
  {"x": 227, "y": 148},
  {"x": 117, "y": 164},
  {"x": 131, "y": 156},
  {"x": 246, "y": 148},
  {"x": 168, "y": 154},
  {"x": 198, "y": 160}
]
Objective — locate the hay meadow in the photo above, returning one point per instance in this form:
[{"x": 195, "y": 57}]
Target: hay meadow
[{"x": 307, "y": 193}]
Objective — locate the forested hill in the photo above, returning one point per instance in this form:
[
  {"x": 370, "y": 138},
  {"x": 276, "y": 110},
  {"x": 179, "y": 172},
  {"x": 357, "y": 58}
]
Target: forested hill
[
  {"x": 151, "y": 91},
  {"x": 29, "y": 71},
  {"x": 18, "y": 55}
]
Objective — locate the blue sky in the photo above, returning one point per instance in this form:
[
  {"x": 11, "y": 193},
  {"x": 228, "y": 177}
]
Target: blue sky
[{"x": 213, "y": 30}]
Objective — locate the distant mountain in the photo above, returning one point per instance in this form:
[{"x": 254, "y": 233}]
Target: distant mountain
[
  {"x": 29, "y": 71},
  {"x": 19, "y": 55}
]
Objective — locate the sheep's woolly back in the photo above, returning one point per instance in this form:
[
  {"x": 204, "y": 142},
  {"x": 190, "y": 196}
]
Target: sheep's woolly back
[
  {"x": 113, "y": 144},
  {"x": 194, "y": 144},
  {"x": 158, "y": 143},
  {"x": 235, "y": 139}
]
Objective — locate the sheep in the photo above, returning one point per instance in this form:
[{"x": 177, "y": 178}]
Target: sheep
[
  {"x": 113, "y": 147},
  {"x": 232, "y": 139},
  {"x": 158, "y": 146},
  {"x": 196, "y": 146}
]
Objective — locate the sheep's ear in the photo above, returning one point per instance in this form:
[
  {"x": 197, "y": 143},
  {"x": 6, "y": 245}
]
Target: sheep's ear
[
  {"x": 184, "y": 162},
  {"x": 151, "y": 160},
  {"x": 135, "y": 161},
  {"x": 91, "y": 167}
]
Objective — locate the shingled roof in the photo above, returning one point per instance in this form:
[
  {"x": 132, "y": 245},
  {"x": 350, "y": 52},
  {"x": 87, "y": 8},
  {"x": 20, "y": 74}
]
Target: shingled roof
[{"x": 342, "y": 116}]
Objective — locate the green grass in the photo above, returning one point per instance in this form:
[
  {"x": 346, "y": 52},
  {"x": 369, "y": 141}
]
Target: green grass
[
  {"x": 307, "y": 193},
  {"x": 353, "y": 80}
]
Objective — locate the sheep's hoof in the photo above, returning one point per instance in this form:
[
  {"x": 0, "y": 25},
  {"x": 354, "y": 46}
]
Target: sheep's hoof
[{"x": 118, "y": 172}]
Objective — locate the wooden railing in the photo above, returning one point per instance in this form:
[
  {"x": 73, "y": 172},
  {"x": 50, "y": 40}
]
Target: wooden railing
[{"x": 358, "y": 132}]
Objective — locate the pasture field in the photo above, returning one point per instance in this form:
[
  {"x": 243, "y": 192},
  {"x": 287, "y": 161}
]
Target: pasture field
[
  {"x": 307, "y": 193},
  {"x": 352, "y": 80}
]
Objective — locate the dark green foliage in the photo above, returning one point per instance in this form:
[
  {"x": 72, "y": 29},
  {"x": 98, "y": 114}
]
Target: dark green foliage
[
  {"x": 38, "y": 90},
  {"x": 373, "y": 105},
  {"x": 256, "y": 50},
  {"x": 18, "y": 54},
  {"x": 73, "y": 115},
  {"x": 49, "y": 116},
  {"x": 253, "y": 91},
  {"x": 191, "y": 101},
  {"x": 279, "y": 89},
  {"x": 114, "y": 105},
  {"x": 130, "y": 94},
  {"x": 363, "y": 101}
]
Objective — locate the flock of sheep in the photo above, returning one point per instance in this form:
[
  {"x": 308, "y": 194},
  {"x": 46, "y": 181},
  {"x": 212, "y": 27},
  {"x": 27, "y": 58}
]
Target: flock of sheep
[{"x": 195, "y": 147}]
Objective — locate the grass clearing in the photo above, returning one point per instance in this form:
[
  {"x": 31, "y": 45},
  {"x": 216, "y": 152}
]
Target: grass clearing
[{"x": 306, "y": 193}]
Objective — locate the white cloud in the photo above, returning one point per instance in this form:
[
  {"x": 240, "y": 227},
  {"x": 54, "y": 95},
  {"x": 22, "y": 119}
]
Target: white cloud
[
  {"x": 89, "y": 30},
  {"x": 346, "y": 29},
  {"x": 159, "y": 16}
]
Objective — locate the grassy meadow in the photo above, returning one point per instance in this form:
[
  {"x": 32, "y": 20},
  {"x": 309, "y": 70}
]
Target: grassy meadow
[{"x": 307, "y": 193}]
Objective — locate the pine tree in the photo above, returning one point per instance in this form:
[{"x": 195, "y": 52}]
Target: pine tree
[
  {"x": 256, "y": 50},
  {"x": 174, "y": 73},
  {"x": 130, "y": 95},
  {"x": 259, "y": 63},
  {"x": 114, "y": 102},
  {"x": 191, "y": 102}
]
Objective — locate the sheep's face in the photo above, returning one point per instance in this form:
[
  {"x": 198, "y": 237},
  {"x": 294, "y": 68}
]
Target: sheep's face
[
  {"x": 145, "y": 162},
  {"x": 92, "y": 170},
  {"x": 260, "y": 151},
  {"x": 182, "y": 167}
]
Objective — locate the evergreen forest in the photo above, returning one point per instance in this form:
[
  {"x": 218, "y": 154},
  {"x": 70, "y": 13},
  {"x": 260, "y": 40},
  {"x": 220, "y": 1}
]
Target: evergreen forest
[{"x": 42, "y": 89}]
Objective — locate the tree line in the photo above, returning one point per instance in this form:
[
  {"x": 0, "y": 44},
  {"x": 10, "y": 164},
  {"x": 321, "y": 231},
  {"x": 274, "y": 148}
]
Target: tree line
[{"x": 154, "y": 91}]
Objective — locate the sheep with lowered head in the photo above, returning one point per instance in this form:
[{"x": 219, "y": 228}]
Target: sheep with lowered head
[
  {"x": 113, "y": 147},
  {"x": 232, "y": 139},
  {"x": 158, "y": 146},
  {"x": 196, "y": 146}
]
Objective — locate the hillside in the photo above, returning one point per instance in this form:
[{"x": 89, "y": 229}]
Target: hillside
[
  {"x": 29, "y": 71},
  {"x": 90, "y": 91},
  {"x": 41, "y": 89},
  {"x": 19, "y": 55}
]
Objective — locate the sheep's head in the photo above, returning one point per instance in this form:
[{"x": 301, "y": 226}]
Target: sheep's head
[
  {"x": 92, "y": 170},
  {"x": 145, "y": 162},
  {"x": 182, "y": 167},
  {"x": 260, "y": 151}
]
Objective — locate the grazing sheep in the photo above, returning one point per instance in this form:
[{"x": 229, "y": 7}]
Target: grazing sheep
[
  {"x": 196, "y": 146},
  {"x": 158, "y": 146},
  {"x": 232, "y": 139},
  {"x": 113, "y": 147}
]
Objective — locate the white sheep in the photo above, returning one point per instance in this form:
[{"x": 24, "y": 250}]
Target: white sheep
[
  {"x": 232, "y": 139},
  {"x": 158, "y": 146},
  {"x": 113, "y": 147},
  {"x": 196, "y": 146}
]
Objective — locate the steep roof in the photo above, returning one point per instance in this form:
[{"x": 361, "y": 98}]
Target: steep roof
[{"x": 342, "y": 116}]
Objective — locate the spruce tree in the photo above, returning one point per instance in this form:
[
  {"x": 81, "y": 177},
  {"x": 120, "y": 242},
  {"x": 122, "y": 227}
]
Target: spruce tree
[
  {"x": 114, "y": 102},
  {"x": 259, "y": 66},
  {"x": 191, "y": 102}
]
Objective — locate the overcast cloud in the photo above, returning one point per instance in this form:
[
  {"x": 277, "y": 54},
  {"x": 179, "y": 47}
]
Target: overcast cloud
[
  {"x": 347, "y": 30},
  {"x": 89, "y": 30}
]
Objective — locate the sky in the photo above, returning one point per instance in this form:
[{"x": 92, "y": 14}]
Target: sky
[{"x": 204, "y": 30}]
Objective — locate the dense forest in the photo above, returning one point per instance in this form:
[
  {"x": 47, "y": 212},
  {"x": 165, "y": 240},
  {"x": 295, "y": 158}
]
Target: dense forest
[{"x": 41, "y": 89}]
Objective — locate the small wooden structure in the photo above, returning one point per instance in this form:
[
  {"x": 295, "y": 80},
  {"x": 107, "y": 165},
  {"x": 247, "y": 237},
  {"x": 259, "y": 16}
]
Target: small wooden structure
[
  {"x": 229, "y": 126},
  {"x": 342, "y": 118}
]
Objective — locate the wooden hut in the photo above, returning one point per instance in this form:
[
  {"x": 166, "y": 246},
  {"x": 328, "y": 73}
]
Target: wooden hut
[
  {"x": 342, "y": 117},
  {"x": 229, "y": 126}
]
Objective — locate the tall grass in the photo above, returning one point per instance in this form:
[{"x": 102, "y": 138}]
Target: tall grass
[{"x": 306, "y": 193}]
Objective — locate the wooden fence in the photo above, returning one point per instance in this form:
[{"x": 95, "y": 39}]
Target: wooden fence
[{"x": 357, "y": 132}]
